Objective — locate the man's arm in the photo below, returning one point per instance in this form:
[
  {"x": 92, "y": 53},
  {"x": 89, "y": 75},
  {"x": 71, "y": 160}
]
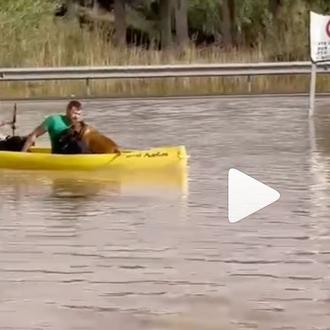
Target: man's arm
[{"x": 40, "y": 130}]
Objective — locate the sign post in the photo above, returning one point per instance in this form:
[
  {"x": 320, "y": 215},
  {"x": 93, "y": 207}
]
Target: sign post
[
  {"x": 319, "y": 49},
  {"x": 312, "y": 90}
]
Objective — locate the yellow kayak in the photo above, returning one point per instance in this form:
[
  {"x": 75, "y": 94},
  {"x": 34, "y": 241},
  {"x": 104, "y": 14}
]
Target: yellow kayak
[{"x": 130, "y": 160}]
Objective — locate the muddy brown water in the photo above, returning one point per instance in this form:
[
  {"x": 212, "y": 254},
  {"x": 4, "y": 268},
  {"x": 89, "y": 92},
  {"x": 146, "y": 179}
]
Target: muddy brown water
[{"x": 87, "y": 253}]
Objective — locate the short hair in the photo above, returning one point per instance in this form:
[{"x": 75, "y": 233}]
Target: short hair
[{"x": 72, "y": 104}]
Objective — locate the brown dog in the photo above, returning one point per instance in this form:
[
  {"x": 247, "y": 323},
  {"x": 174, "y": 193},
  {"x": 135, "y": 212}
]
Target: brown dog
[{"x": 96, "y": 142}]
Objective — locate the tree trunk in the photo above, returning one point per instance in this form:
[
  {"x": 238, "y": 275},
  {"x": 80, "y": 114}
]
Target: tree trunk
[
  {"x": 233, "y": 26},
  {"x": 165, "y": 9},
  {"x": 120, "y": 23},
  {"x": 95, "y": 6},
  {"x": 181, "y": 22},
  {"x": 226, "y": 23},
  {"x": 72, "y": 9},
  {"x": 274, "y": 7}
]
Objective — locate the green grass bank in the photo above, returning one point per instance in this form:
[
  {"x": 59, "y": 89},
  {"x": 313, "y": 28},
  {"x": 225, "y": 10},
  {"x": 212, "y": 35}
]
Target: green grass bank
[{"x": 35, "y": 40}]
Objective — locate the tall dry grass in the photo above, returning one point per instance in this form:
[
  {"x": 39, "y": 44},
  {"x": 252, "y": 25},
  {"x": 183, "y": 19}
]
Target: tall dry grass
[{"x": 63, "y": 43}]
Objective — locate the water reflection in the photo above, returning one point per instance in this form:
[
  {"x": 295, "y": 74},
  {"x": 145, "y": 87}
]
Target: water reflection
[
  {"x": 63, "y": 201},
  {"x": 86, "y": 185},
  {"x": 319, "y": 135},
  {"x": 66, "y": 188}
]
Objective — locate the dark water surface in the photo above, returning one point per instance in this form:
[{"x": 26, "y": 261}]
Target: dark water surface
[{"x": 87, "y": 253}]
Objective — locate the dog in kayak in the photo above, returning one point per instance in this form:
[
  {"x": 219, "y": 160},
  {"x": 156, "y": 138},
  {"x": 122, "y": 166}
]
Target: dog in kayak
[
  {"x": 96, "y": 142},
  {"x": 83, "y": 138},
  {"x": 69, "y": 134}
]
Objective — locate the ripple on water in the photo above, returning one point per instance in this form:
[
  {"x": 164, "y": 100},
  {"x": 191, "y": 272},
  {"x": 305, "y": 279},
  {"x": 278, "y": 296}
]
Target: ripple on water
[{"x": 83, "y": 253}]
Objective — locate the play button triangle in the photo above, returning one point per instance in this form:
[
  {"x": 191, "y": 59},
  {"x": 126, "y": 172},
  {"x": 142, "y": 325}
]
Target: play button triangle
[{"x": 247, "y": 195}]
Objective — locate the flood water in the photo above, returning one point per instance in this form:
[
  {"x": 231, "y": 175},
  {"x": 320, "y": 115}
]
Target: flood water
[{"x": 159, "y": 253}]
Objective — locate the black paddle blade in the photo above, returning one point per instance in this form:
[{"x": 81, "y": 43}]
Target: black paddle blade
[{"x": 13, "y": 124}]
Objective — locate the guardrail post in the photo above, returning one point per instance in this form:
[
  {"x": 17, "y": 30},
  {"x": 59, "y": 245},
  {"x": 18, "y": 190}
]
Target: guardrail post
[
  {"x": 249, "y": 84},
  {"x": 88, "y": 89}
]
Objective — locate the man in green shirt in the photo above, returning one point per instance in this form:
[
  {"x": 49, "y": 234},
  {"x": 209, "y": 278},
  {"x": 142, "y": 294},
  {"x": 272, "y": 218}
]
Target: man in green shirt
[{"x": 56, "y": 125}]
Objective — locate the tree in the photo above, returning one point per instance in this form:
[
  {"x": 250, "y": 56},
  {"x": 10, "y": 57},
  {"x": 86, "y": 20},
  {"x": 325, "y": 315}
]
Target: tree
[
  {"x": 232, "y": 15},
  {"x": 226, "y": 23},
  {"x": 181, "y": 22},
  {"x": 165, "y": 11},
  {"x": 274, "y": 7},
  {"x": 120, "y": 22}
]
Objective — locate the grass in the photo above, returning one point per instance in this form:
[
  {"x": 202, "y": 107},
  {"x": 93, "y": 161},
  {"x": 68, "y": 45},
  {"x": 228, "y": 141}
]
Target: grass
[{"x": 66, "y": 44}]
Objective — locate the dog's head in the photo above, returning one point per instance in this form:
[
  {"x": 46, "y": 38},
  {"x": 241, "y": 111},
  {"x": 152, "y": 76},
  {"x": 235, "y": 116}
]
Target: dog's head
[{"x": 78, "y": 129}]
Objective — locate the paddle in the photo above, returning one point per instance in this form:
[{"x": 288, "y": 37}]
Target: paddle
[{"x": 13, "y": 124}]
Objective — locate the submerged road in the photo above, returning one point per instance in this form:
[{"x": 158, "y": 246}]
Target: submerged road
[{"x": 88, "y": 253}]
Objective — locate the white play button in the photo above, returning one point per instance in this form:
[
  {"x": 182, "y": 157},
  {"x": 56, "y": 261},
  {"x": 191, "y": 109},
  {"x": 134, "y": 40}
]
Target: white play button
[{"x": 246, "y": 195}]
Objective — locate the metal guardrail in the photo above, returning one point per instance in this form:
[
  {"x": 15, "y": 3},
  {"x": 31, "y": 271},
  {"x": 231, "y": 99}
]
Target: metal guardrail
[
  {"x": 88, "y": 73},
  {"x": 161, "y": 71}
]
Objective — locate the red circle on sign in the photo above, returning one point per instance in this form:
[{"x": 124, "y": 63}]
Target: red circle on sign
[{"x": 327, "y": 28}]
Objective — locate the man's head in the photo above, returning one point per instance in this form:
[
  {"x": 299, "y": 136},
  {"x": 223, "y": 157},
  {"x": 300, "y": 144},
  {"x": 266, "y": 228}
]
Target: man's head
[{"x": 73, "y": 111}]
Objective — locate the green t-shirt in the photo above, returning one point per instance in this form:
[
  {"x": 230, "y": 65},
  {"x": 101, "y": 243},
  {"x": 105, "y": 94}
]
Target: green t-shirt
[{"x": 55, "y": 125}]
